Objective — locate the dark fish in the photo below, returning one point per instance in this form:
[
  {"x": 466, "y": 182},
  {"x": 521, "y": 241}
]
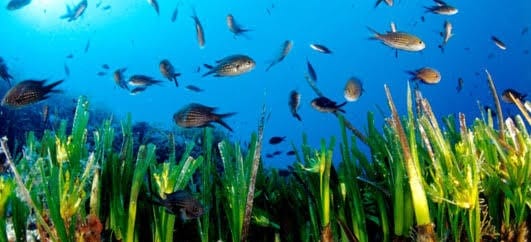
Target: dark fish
[
  {"x": 290, "y": 153},
  {"x": 180, "y": 203},
  {"x": 492, "y": 112},
  {"x": 67, "y": 70},
  {"x": 106, "y": 7},
  {"x": 101, "y": 73},
  {"x": 311, "y": 72},
  {"x": 423, "y": 19},
  {"x": 234, "y": 27},
  {"x": 142, "y": 80},
  {"x": 194, "y": 88},
  {"x": 200, "y": 34},
  {"x": 278, "y": 152},
  {"x": 269, "y": 156},
  {"x": 4, "y": 73},
  {"x": 28, "y": 92},
  {"x": 442, "y": 8},
  {"x": 119, "y": 79},
  {"x": 320, "y": 48},
  {"x": 460, "y": 83},
  {"x": 17, "y": 4},
  {"x": 325, "y": 105},
  {"x": 70, "y": 56},
  {"x": 175, "y": 14},
  {"x": 276, "y": 140},
  {"x": 105, "y": 66},
  {"x": 167, "y": 70},
  {"x": 155, "y": 5},
  {"x": 233, "y": 65},
  {"x": 525, "y": 30},
  {"x": 76, "y": 12},
  {"x": 498, "y": 42},
  {"x": 388, "y": 2},
  {"x": 98, "y": 4},
  {"x": 294, "y": 103},
  {"x": 87, "y": 46},
  {"x": 138, "y": 90},
  {"x": 517, "y": 95},
  {"x": 196, "y": 115},
  {"x": 286, "y": 48}
]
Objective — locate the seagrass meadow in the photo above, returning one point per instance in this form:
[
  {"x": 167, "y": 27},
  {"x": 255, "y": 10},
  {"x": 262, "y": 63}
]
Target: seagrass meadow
[{"x": 426, "y": 178}]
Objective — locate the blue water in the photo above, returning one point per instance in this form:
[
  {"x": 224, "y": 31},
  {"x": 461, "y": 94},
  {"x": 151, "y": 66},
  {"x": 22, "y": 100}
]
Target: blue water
[{"x": 35, "y": 43}]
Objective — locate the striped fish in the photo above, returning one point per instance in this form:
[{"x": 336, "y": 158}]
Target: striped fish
[
  {"x": 200, "y": 34},
  {"x": 399, "y": 40},
  {"x": 195, "y": 115},
  {"x": 233, "y": 65},
  {"x": 28, "y": 92}
]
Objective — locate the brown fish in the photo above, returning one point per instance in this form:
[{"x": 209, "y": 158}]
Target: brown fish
[
  {"x": 517, "y": 95},
  {"x": 180, "y": 203},
  {"x": 294, "y": 103},
  {"x": 28, "y": 92},
  {"x": 233, "y": 65},
  {"x": 234, "y": 27},
  {"x": 200, "y": 34},
  {"x": 275, "y": 140},
  {"x": 119, "y": 78},
  {"x": 353, "y": 89},
  {"x": 427, "y": 75},
  {"x": 399, "y": 40},
  {"x": 167, "y": 70},
  {"x": 195, "y": 115},
  {"x": 325, "y": 105},
  {"x": 142, "y": 80}
]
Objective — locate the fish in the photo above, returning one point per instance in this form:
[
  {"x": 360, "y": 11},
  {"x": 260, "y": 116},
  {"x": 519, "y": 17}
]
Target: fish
[
  {"x": 167, "y": 70},
  {"x": 234, "y": 27},
  {"x": 195, "y": 115},
  {"x": 45, "y": 114},
  {"x": 17, "y": 4},
  {"x": 399, "y": 40},
  {"x": 427, "y": 75},
  {"x": 294, "y": 103},
  {"x": 232, "y": 65},
  {"x": 460, "y": 83},
  {"x": 524, "y": 31},
  {"x": 353, "y": 89},
  {"x": 487, "y": 109},
  {"x": 101, "y": 73},
  {"x": 105, "y": 66},
  {"x": 200, "y": 34},
  {"x": 320, "y": 48},
  {"x": 277, "y": 152},
  {"x": 275, "y": 140},
  {"x": 106, "y": 7},
  {"x": 194, "y": 88},
  {"x": 506, "y": 95},
  {"x": 442, "y": 8},
  {"x": 70, "y": 56},
  {"x": 142, "y": 80},
  {"x": 388, "y": 2},
  {"x": 447, "y": 34},
  {"x": 286, "y": 48},
  {"x": 119, "y": 79},
  {"x": 311, "y": 72},
  {"x": 180, "y": 203},
  {"x": 28, "y": 92},
  {"x": 67, "y": 70},
  {"x": 4, "y": 72},
  {"x": 174, "y": 14},
  {"x": 290, "y": 153},
  {"x": 138, "y": 90},
  {"x": 87, "y": 46},
  {"x": 155, "y": 5},
  {"x": 498, "y": 42},
  {"x": 77, "y": 11},
  {"x": 325, "y": 105}
]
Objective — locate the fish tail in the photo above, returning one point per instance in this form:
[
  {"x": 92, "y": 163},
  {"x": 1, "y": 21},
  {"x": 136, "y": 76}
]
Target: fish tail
[
  {"x": 49, "y": 88},
  {"x": 378, "y": 3},
  {"x": 297, "y": 116},
  {"x": 376, "y": 33},
  {"x": 220, "y": 117}
]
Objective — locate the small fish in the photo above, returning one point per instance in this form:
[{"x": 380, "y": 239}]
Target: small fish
[
  {"x": 101, "y": 73},
  {"x": 286, "y": 48},
  {"x": 28, "y": 92},
  {"x": 142, "y": 80},
  {"x": 353, "y": 89},
  {"x": 427, "y": 75},
  {"x": 517, "y": 95},
  {"x": 17, "y": 4},
  {"x": 423, "y": 19},
  {"x": 325, "y": 105},
  {"x": 442, "y": 8},
  {"x": 106, "y": 7},
  {"x": 194, "y": 88},
  {"x": 294, "y": 103},
  {"x": 487, "y": 109},
  {"x": 399, "y": 40},
  {"x": 311, "y": 72},
  {"x": 460, "y": 83},
  {"x": 4, "y": 73},
  {"x": 119, "y": 79},
  {"x": 70, "y": 56},
  {"x": 290, "y": 153},
  {"x": 234, "y": 27},
  {"x": 233, "y": 65},
  {"x": 195, "y": 115},
  {"x": 138, "y": 90},
  {"x": 388, "y": 2},
  {"x": 277, "y": 152},
  {"x": 87, "y": 46},
  {"x": 45, "y": 113},
  {"x": 269, "y": 156},
  {"x": 167, "y": 70},
  {"x": 155, "y": 5},
  {"x": 181, "y": 203},
  {"x": 175, "y": 14},
  {"x": 98, "y": 4},
  {"x": 67, "y": 70},
  {"x": 200, "y": 34},
  {"x": 105, "y": 66},
  {"x": 76, "y": 12},
  {"x": 275, "y": 140},
  {"x": 498, "y": 43},
  {"x": 524, "y": 31},
  {"x": 447, "y": 34},
  {"x": 320, "y": 48}
]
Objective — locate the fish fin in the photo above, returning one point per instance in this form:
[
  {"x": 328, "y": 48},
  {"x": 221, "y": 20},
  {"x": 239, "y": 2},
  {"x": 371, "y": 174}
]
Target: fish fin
[
  {"x": 49, "y": 88},
  {"x": 396, "y": 53},
  {"x": 176, "y": 83},
  {"x": 378, "y": 3},
  {"x": 220, "y": 117},
  {"x": 440, "y": 2},
  {"x": 341, "y": 105},
  {"x": 208, "y": 66},
  {"x": 297, "y": 116},
  {"x": 271, "y": 65}
]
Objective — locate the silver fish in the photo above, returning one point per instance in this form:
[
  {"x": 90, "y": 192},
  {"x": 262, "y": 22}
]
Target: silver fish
[
  {"x": 321, "y": 48},
  {"x": 76, "y": 12},
  {"x": 232, "y": 65},
  {"x": 286, "y": 48}
]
